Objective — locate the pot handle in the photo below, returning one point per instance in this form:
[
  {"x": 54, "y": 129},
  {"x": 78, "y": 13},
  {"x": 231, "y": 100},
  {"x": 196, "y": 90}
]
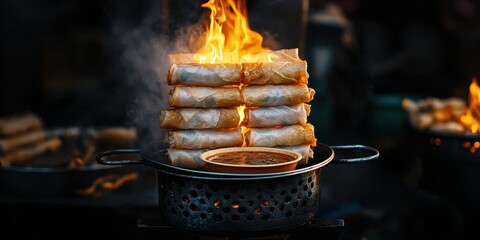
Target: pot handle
[
  {"x": 354, "y": 153},
  {"x": 101, "y": 155}
]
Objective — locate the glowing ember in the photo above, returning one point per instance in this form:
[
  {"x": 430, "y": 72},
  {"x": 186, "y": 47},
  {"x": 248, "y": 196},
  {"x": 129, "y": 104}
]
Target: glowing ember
[
  {"x": 229, "y": 38},
  {"x": 108, "y": 182},
  {"x": 471, "y": 119}
]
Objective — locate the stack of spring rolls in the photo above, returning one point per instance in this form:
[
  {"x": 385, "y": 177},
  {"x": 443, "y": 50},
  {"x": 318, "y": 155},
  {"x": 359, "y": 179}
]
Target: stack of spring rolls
[{"x": 261, "y": 104}]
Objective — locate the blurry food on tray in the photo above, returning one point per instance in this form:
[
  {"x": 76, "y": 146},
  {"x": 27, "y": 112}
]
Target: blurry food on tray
[
  {"x": 451, "y": 114},
  {"x": 24, "y": 142},
  {"x": 23, "y": 138},
  {"x": 19, "y": 123},
  {"x": 219, "y": 105}
]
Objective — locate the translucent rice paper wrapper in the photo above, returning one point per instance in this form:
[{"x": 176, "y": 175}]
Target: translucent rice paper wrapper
[
  {"x": 186, "y": 158},
  {"x": 201, "y": 139},
  {"x": 277, "y": 115},
  {"x": 282, "y": 136},
  {"x": 276, "y": 95},
  {"x": 283, "y": 55},
  {"x": 205, "y": 97},
  {"x": 305, "y": 150},
  {"x": 262, "y": 73},
  {"x": 204, "y": 74},
  {"x": 199, "y": 118}
]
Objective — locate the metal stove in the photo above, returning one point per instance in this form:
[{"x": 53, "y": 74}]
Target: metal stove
[{"x": 156, "y": 228}]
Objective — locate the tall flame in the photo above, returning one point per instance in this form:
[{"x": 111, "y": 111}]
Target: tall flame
[
  {"x": 229, "y": 38},
  {"x": 471, "y": 119}
]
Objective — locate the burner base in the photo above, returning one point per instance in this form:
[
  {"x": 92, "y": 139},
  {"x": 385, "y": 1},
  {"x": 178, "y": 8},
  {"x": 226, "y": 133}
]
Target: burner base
[{"x": 159, "y": 229}]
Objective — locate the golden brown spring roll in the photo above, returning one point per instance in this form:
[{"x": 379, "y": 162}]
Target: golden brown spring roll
[
  {"x": 199, "y": 118},
  {"x": 209, "y": 75},
  {"x": 22, "y": 154},
  {"x": 12, "y": 143},
  {"x": 187, "y": 158},
  {"x": 305, "y": 150},
  {"x": 19, "y": 123},
  {"x": 277, "y": 115},
  {"x": 283, "y": 136},
  {"x": 283, "y": 55},
  {"x": 276, "y": 95},
  {"x": 205, "y": 138},
  {"x": 276, "y": 73},
  {"x": 205, "y": 97}
]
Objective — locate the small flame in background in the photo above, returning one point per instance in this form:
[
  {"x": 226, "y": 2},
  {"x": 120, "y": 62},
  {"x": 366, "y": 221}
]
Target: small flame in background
[
  {"x": 471, "y": 119},
  {"x": 229, "y": 38},
  {"x": 108, "y": 182}
]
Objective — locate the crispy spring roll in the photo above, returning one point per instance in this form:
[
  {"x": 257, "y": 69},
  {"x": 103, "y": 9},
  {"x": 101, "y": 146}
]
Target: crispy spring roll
[
  {"x": 276, "y": 95},
  {"x": 23, "y": 154},
  {"x": 276, "y": 73},
  {"x": 19, "y": 123},
  {"x": 209, "y": 75},
  {"x": 283, "y": 136},
  {"x": 283, "y": 55},
  {"x": 304, "y": 150},
  {"x": 187, "y": 158},
  {"x": 277, "y": 115},
  {"x": 12, "y": 143},
  {"x": 205, "y": 97},
  {"x": 205, "y": 138},
  {"x": 199, "y": 118}
]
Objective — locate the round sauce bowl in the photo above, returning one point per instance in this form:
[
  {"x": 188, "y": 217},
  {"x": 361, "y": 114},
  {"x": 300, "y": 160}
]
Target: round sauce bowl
[{"x": 250, "y": 160}]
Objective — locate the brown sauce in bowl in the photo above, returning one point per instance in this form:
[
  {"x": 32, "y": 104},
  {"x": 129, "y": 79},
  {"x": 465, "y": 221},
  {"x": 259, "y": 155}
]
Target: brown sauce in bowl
[{"x": 251, "y": 158}]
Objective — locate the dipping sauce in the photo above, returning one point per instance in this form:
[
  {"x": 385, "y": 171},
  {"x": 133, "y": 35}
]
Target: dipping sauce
[{"x": 251, "y": 158}]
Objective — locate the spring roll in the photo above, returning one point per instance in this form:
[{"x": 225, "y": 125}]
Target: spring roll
[
  {"x": 205, "y": 138},
  {"x": 277, "y": 115},
  {"x": 205, "y": 97},
  {"x": 21, "y": 155},
  {"x": 199, "y": 118},
  {"x": 187, "y": 158},
  {"x": 276, "y": 95},
  {"x": 12, "y": 143},
  {"x": 19, "y": 123},
  {"x": 276, "y": 73},
  {"x": 304, "y": 150},
  {"x": 283, "y": 55},
  {"x": 282, "y": 136},
  {"x": 209, "y": 75}
]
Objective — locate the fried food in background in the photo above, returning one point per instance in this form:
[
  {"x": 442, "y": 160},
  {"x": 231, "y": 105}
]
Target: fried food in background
[
  {"x": 25, "y": 143},
  {"x": 18, "y": 123},
  {"x": 436, "y": 114}
]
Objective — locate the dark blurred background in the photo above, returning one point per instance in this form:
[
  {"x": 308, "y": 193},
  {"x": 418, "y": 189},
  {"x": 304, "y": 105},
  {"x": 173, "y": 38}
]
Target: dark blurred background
[
  {"x": 100, "y": 62},
  {"x": 89, "y": 62}
]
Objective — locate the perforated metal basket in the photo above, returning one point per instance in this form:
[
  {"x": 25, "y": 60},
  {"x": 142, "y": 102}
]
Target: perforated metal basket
[{"x": 217, "y": 205}]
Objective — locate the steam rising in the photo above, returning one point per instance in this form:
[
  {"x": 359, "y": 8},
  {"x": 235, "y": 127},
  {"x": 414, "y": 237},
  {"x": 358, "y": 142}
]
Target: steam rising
[{"x": 145, "y": 62}]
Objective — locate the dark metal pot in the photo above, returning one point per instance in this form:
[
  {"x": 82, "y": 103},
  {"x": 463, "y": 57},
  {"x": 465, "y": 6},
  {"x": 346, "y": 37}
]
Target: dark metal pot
[
  {"x": 451, "y": 167},
  {"x": 47, "y": 176},
  {"x": 240, "y": 204}
]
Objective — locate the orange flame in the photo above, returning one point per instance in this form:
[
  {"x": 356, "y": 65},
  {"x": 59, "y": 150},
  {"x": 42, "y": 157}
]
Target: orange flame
[
  {"x": 471, "y": 119},
  {"x": 229, "y": 38}
]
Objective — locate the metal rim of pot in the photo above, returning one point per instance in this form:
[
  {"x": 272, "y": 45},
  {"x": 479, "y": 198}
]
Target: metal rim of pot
[
  {"x": 449, "y": 146},
  {"x": 155, "y": 156}
]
